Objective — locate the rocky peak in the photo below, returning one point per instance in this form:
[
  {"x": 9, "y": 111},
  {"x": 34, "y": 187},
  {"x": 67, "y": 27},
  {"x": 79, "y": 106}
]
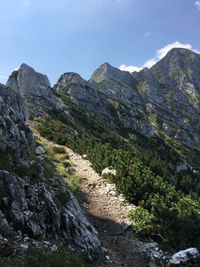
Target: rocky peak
[
  {"x": 178, "y": 65},
  {"x": 106, "y": 72},
  {"x": 180, "y": 53},
  {"x": 28, "y": 82},
  {"x": 67, "y": 80}
]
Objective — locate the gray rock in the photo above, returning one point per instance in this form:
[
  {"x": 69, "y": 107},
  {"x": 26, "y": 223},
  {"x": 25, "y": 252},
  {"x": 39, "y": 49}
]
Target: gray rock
[
  {"x": 79, "y": 229},
  {"x": 109, "y": 170},
  {"x": 26, "y": 81},
  {"x": 39, "y": 150},
  {"x": 181, "y": 166},
  {"x": 147, "y": 102},
  {"x": 184, "y": 256}
]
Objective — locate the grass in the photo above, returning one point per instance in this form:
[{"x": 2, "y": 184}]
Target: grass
[
  {"x": 75, "y": 183},
  {"x": 59, "y": 157},
  {"x": 59, "y": 149},
  {"x": 37, "y": 258},
  {"x": 61, "y": 170}
]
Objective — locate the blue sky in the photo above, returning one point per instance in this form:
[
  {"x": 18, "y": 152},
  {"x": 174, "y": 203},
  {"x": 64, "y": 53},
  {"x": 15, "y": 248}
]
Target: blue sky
[{"x": 57, "y": 36}]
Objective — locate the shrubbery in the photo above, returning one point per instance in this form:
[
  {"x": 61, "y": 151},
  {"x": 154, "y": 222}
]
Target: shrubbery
[
  {"x": 165, "y": 214},
  {"x": 37, "y": 258}
]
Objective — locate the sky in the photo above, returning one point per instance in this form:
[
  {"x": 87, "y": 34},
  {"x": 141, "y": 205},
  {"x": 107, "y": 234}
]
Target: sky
[{"x": 57, "y": 36}]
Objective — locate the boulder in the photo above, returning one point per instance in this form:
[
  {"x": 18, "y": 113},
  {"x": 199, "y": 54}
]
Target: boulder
[
  {"x": 39, "y": 150},
  {"x": 109, "y": 170},
  {"x": 184, "y": 256}
]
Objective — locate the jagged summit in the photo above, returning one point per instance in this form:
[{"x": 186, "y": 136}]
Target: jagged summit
[
  {"x": 178, "y": 67},
  {"x": 27, "y": 81},
  {"x": 181, "y": 51},
  {"x": 107, "y": 72},
  {"x": 70, "y": 83},
  {"x": 180, "y": 57}
]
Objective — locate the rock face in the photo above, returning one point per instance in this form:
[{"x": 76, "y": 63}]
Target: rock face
[
  {"x": 28, "y": 82},
  {"x": 35, "y": 89},
  {"x": 33, "y": 203},
  {"x": 160, "y": 102}
]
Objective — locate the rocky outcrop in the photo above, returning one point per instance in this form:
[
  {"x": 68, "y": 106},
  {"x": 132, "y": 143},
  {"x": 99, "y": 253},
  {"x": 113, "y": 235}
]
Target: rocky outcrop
[
  {"x": 184, "y": 256},
  {"x": 35, "y": 89},
  {"x": 28, "y": 82},
  {"x": 34, "y": 202},
  {"x": 160, "y": 102}
]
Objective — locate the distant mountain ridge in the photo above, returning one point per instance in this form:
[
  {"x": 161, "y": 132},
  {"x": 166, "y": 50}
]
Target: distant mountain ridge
[{"x": 162, "y": 101}]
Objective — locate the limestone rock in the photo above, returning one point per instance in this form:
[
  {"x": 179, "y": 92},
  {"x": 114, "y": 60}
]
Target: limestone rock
[
  {"x": 32, "y": 205},
  {"x": 145, "y": 103},
  {"x": 184, "y": 256},
  {"x": 39, "y": 150},
  {"x": 26, "y": 81},
  {"x": 109, "y": 170}
]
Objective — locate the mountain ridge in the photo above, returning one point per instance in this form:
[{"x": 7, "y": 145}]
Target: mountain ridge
[{"x": 144, "y": 124}]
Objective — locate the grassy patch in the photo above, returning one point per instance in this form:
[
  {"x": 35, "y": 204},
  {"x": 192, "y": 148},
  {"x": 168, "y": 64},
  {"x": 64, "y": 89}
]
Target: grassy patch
[
  {"x": 75, "y": 183},
  {"x": 145, "y": 170},
  {"x": 37, "y": 258},
  {"x": 61, "y": 170},
  {"x": 59, "y": 149}
]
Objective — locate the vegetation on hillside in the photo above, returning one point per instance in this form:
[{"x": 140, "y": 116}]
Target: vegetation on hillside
[
  {"x": 38, "y": 258},
  {"x": 166, "y": 212}
]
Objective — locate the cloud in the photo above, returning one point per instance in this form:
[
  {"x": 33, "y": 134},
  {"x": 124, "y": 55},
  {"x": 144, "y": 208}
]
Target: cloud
[
  {"x": 159, "y": 54},
  {"x": 197, "y": 3},
  {"x": 129, "y": 68},
  {"x": 17, "y": 68}
]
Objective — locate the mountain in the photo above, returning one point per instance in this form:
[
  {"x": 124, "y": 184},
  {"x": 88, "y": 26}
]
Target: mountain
[
  {"x": 144, "y": 124},
  {"x": 37, "y": 210},
  {"x": 162, "y": 102}
]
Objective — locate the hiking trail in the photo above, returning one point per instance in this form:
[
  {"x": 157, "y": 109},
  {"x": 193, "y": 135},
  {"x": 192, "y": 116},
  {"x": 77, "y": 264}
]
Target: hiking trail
[{"x": 108, "y": 211}]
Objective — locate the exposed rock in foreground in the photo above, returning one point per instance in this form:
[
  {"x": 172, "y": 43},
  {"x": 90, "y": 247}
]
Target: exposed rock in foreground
[
  {"x": 184, "y": 256},
  {"x": 34, "y": 202}
]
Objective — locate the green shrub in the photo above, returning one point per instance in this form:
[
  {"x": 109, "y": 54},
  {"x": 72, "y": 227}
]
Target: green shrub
[
  {"x": 66, "y": 163},
  {"x": 75, "y": 182},
  {"x": 59, "y": 158},
  {"x": 59, "y": 150},
  {"x": 146, "y": 175},
  {"x": 37, "y": 258},
  {"x": 142, "y": 221},
  {"x": 61, "y": 170}
]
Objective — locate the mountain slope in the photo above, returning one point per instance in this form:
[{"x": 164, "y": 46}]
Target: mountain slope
[
  {"x": 35, "y": 203},
  {"x": 161, "y": 102},
  {"x": 146, "y": 125}
]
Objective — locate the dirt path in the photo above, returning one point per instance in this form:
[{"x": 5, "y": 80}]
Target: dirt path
[{"x": 108, "y": 212}]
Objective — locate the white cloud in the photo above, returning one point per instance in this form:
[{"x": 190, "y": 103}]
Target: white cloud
[
  {"x": 17, "y": 68},
  {"x": 159, "y": 54},
  {"x": 129, "y": 68},
  {"x": 197, "y": 3}
]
